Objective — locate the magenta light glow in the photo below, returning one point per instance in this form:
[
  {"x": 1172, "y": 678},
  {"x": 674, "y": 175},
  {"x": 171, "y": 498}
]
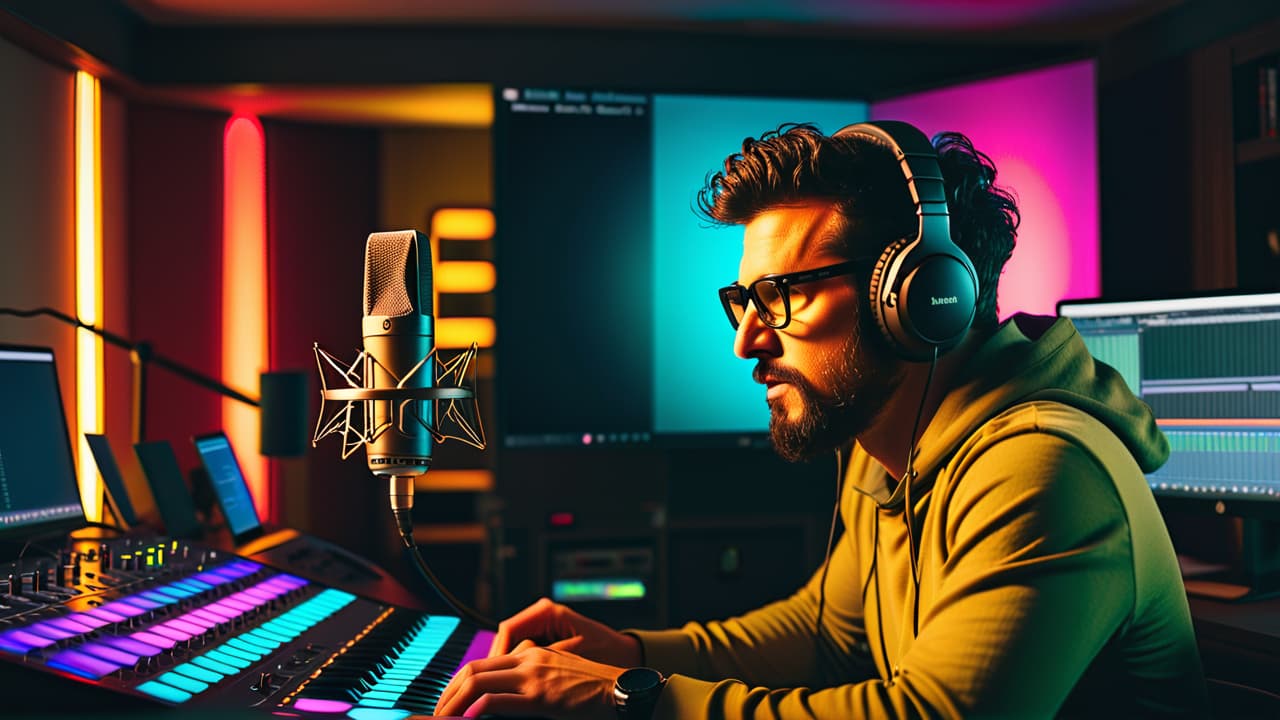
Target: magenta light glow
[{"x": 1040, "y": 130}]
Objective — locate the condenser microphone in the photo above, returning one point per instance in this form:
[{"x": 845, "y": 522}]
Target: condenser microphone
[
  {"x": 398, "y": 336},
  {"x": 398, "y": 396}
]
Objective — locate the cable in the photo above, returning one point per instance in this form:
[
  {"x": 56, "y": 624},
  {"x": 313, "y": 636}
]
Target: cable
[
  {"x": 404, "y": 523},
  {"x": 826, "y": 560},
  {"x": 908, "y": 478}
]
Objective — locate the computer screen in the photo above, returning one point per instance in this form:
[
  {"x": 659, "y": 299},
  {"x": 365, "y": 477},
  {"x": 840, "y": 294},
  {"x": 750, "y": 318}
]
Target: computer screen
[
  {"x": 610, "y": 332},
  {"x": 1209, "y": 368},
  {"x": 37, "y": 470},
  {"x": 229, "y": 485}
]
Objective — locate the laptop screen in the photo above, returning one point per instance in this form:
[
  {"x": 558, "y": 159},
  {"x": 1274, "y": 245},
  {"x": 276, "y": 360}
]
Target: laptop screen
[
  {"x": 229, "y": 485},
  {"x": 37, "y": 473}
]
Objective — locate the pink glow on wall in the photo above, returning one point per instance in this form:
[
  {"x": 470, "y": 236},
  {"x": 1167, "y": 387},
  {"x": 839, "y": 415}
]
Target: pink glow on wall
[{"x": 1040, "y": 130}]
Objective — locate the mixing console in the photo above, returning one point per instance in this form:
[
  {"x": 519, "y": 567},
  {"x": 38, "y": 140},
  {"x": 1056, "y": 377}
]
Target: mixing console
[{"x": 171, "y": 623}]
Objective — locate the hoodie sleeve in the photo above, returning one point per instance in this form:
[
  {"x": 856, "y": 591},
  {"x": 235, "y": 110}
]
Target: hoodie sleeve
[{"x": 1035, "y": 576}]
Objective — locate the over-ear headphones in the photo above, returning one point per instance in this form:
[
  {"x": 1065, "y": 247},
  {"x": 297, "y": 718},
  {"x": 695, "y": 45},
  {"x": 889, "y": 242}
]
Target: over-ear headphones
[{"x": 924, "y": 289}]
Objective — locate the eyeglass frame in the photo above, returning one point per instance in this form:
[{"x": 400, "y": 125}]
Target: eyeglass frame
[{"x": 784, "y": 283}]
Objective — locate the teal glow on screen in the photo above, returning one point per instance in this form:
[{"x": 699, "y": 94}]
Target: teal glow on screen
[{"x": 699, "y": 385}]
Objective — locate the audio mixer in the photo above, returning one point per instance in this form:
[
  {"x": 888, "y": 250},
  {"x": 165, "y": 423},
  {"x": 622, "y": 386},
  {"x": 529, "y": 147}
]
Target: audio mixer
[{"x": 163, "y": 622}]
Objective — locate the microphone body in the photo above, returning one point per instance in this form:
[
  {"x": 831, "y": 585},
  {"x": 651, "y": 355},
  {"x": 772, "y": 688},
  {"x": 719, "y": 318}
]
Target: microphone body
[{"x": 398, "y": 336}]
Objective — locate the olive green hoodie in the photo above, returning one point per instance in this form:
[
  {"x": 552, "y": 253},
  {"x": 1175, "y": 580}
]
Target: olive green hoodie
[{"x": 1044, "y": 581}]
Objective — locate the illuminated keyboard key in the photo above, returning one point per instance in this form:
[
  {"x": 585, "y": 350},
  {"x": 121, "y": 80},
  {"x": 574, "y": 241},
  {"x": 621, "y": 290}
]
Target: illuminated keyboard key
[
  {"x": 195, "y": 672},
  {"x": 209, "y": 663},
  {"x": 164, "y": 692},
  {"x": 314, "y": 705},
  {"x": 111, "y": 654},
  {"x": 173, "y": 634},
  {"x": 25, "y": 639},
  {"x": 182, "y": 682},
  {"x": 102, "y": 613},
  {"x": 255, "y": 651},
  {"x": 86, "y": 619},
  {"x": 141, "y": 602},
  {"x": 247, "y": 656},
  {"x": 371, "y": 713},
  {"x": 221, "y": 655},
  {"x": 50, "y": 631},
  {"x": 173, "y": 592},
  {"x": 78, "y": 663},
  {"x": 155, "y": 597},
  {"x": 130, "y": 645},
  {"x": 121, "y": 607},
  {"x": 185, "y": 626},
  {"x": 153, "y": 639}
]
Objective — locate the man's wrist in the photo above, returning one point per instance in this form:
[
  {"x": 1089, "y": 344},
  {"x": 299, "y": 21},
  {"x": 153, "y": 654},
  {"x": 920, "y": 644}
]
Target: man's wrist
[{"x": 636, "y": 692}]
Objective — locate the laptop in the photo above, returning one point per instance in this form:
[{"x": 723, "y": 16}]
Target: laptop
[
  {"x": 117, "y": 495},
  {"x": 229, "y": 486}
]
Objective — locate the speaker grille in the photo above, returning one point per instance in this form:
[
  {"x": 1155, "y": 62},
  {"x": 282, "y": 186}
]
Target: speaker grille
[{"x": 386, "y": 273}]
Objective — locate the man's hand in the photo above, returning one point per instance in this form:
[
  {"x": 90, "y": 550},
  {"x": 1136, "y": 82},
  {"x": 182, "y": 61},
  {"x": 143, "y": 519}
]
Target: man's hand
[
  {"x": 532, "y": 681},
  {"x": 559, "y": 628}
]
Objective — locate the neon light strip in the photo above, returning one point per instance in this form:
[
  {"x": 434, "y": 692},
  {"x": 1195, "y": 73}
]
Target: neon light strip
[
  {"x": 89, "y": 383},
  {"x": 244, "y": 293},
  {"x": 1219, "y": 422}
]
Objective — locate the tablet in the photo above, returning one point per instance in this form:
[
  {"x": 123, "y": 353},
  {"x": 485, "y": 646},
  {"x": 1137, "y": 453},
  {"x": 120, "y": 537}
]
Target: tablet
[
  {"x": 229, "y": 486},
  {"x": 173, "y": 499},
  {"x": 117, "y": 495}
]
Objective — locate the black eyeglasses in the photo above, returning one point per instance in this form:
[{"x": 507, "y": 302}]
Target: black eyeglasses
[{"x": 772, "y": 293}]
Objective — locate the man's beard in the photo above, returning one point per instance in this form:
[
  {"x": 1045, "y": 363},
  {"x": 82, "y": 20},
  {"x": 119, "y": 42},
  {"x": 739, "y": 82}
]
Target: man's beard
[{"x": 861, "y": 378}]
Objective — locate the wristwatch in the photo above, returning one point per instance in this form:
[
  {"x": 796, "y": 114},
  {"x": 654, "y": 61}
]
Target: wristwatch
[{"x": 635, "y": 693}]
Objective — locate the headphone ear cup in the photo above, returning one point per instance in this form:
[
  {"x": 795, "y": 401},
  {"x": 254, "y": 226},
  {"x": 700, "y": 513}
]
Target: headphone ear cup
[{"x": 885, "y": 310}]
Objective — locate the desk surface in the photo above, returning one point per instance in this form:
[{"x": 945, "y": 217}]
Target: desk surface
[{"x": 1239, "y": 641}]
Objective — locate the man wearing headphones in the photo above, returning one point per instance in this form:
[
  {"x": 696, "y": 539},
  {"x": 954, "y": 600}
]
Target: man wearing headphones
[{"x": 1003, "y": 554}]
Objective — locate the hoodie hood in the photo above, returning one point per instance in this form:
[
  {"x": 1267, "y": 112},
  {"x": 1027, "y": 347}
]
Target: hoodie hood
[{"x": 1032, "y": 358}]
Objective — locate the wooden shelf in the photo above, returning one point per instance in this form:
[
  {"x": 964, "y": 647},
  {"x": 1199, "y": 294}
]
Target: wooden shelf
[{"x": 1257, "y": 150}]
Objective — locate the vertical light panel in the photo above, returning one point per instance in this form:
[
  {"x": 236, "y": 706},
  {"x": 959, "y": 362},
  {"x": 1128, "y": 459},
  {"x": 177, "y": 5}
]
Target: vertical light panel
[
  {"x": 244, "y": 294},
  {"x": 89, "y": 372},
  {"x": 460, "y": 276}
]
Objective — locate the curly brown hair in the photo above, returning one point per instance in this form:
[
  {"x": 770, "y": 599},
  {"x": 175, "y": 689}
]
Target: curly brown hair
[{"x": 797, "y": 162}]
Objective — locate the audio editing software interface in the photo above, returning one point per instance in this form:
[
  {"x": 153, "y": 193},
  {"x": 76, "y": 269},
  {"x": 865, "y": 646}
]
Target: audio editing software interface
[
  {"x": 1209, "y": 368},
  {"x": 117, "y": 621}
]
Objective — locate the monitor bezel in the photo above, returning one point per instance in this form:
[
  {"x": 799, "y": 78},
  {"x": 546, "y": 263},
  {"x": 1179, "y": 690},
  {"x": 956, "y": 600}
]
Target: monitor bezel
[
  {"x": 1257, "y": 508},
  {"x": 62, "y": 525}
]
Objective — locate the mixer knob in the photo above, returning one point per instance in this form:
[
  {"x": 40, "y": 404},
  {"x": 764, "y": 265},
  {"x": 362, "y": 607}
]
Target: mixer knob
[
  {"x": 15, "y": 584},
  {"x": 264, "y": 683},
  {"x": 104, "y": 555},
  {"x": 37, "y": 580}
]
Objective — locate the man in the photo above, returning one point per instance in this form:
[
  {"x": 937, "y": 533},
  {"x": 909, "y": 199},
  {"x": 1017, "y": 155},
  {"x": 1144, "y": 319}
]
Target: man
[{"x": 1003, "y": 554}]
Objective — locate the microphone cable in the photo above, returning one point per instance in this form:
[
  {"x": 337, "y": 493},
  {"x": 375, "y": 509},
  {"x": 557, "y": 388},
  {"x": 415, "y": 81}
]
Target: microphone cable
[{"x": 404, "y": 523}]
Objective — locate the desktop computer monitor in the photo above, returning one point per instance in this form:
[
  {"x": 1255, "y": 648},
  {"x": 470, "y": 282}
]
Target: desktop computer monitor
[
  {"x": 1209, "y": 368},
  {"x": 38, "y": 490}
]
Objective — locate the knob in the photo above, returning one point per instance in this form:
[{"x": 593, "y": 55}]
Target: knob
[
  {"x": 15, "y": 584},
  {"x": 264, "y": 683},
  {"x": 37, "y": 580},
  {"x": 104, "y": 555},
  {"x": 61, "y": 573}
]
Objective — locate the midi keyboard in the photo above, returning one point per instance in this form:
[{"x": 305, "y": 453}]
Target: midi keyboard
[{"x": 168, "y": 623}]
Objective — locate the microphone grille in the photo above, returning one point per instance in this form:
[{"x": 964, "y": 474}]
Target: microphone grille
[{"x": 397, "y": 274}]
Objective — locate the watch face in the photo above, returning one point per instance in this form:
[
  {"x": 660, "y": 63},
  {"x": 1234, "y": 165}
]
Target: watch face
[{"x": 639, "y": 680}]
